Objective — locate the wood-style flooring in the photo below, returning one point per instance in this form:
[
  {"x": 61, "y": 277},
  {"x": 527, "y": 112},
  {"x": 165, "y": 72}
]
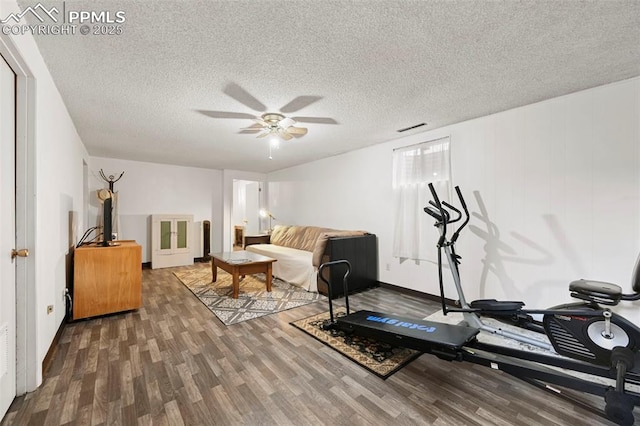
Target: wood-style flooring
[{"x": 173, "y": 362}]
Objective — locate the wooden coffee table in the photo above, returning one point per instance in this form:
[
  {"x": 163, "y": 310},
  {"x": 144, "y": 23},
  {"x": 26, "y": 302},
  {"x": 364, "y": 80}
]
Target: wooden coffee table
[{"x": 239, "y": 264}]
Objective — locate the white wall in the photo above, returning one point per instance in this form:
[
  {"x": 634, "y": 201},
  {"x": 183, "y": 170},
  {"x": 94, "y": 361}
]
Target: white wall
[
  {"x": 554, "y": 189},
  {"x": 59, "y": 200},
  {"x": 149, "y": 188},
  {"x": 56, "y": 155}
]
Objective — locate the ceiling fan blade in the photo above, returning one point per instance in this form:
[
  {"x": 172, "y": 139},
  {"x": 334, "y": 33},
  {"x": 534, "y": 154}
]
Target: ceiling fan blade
[
  {"x": 250, "y": 131},
  {"x": 284, "y": 134},
  {"x": 297, "y": 130},
  {"x": 286, "y": 123},
  {"x": 260, "y": 122},
  {"x": 254, "y": 126},
  {"x": 319, "y": 120},
  {"x": 262, "y": 135},
  {"x": 298, "y": 103},
  {"x": 245, "y": 98},
  {"x": 226, "y": 114}
]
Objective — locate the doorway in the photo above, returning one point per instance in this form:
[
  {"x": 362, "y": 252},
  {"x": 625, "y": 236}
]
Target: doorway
[
  {"x": 245, "y": 216},
  {"x": 7, "y": 236},
  {"x": 23, "y": 360}
]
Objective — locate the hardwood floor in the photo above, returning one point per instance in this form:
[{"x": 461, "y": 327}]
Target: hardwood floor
[{"x": 173, "y": 362}]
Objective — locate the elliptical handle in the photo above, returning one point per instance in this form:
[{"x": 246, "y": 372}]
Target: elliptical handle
[
  {"x": 443, "y": 213},
  {"x": 434, "y": 211},
  {"x": 466, "y": 213},
  {"x": 450, "y": 207},
  {"x": 461, "y": 198}
]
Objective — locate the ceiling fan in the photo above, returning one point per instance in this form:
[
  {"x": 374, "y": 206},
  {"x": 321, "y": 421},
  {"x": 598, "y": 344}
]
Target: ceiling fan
[
  {"x": 270, "y": 123},
  {"x": 276, "y": 124}
]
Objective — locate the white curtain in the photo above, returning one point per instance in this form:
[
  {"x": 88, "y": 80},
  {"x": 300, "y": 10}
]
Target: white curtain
[{"x": 414, "y": 167}]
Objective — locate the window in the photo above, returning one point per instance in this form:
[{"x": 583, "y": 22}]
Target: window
[{"x": 414, "y": 167}]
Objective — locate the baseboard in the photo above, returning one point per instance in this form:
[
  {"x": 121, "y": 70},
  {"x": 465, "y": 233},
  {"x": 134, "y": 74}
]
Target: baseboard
[
  {"x": 46, "y": 362},
  {"x": 147, "y": 265},
  {"x": 418, "y": 294}
]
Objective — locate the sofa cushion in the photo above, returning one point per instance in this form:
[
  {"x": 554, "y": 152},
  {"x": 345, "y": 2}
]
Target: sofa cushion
[{"x": 297, "y": 237}]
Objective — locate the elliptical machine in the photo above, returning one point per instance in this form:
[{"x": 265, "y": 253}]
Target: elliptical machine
[
  {"x": 589, "y": 339},
  {"x": 583, "y": 331}
]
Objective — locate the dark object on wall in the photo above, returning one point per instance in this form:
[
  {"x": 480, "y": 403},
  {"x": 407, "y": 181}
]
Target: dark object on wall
[
  {"x": 106, "y": 227},
  {"x": 362, "y": 254},
  {"x": 206, "y": 249}
]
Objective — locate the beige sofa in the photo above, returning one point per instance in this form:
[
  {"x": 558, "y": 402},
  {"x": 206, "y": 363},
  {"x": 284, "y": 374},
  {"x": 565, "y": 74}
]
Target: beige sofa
[{"x": 300, "y": 250}]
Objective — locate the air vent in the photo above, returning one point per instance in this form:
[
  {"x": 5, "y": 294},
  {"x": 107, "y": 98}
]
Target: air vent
[{"x": 411, "y": 127}]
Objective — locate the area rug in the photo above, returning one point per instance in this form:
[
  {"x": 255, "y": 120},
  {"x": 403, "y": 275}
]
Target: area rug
[
  {"x": 380, "y": 358},
  {"x": 253, "y": 301}
]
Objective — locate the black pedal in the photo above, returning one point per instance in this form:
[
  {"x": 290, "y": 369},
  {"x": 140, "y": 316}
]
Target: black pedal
[{"x": 493, "y": 306}]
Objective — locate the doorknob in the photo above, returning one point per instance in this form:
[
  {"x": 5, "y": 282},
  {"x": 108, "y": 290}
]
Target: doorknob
[{"x": 19, "y": 253}]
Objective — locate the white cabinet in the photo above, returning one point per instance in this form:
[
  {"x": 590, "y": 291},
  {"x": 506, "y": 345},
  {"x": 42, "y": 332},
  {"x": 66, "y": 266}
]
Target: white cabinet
[{"x": 171, "y": 240}]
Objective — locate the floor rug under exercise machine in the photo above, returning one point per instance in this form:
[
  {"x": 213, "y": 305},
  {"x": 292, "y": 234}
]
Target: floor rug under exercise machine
[
  {"x": 380, "y": 358},
  {"x": 253, "y": 301}
]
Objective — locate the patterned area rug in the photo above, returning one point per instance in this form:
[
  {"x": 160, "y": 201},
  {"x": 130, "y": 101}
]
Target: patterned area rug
[
  {"x": 253, "y": 301},
  {"x": 380, "y": 358}
]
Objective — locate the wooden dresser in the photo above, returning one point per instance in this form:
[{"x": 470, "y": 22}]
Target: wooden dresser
[{"x": 107, "y": 279}]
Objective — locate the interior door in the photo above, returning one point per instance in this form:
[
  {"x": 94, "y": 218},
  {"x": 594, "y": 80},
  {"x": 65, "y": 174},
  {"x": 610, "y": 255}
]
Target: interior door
[
  {"x": 7, "y": 237},
  {"x": 253, "y": 207}
]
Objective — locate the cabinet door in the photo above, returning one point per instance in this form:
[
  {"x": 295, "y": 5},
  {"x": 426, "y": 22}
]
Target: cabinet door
[
  {"x": 175, "y": 236},
  {"x": 171, "y": 240},
  {"x": 107, "y": 280},
  {"x": 182, "y": 236},
  {"x": 166, "y": 236}
]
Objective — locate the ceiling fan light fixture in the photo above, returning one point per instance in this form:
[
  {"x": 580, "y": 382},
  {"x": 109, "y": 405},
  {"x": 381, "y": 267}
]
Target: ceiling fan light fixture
[{"x": 272, "y": 118}]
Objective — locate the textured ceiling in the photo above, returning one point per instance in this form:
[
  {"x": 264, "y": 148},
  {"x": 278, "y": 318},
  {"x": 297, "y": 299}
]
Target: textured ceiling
[{"x": 362, "y": 69}]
